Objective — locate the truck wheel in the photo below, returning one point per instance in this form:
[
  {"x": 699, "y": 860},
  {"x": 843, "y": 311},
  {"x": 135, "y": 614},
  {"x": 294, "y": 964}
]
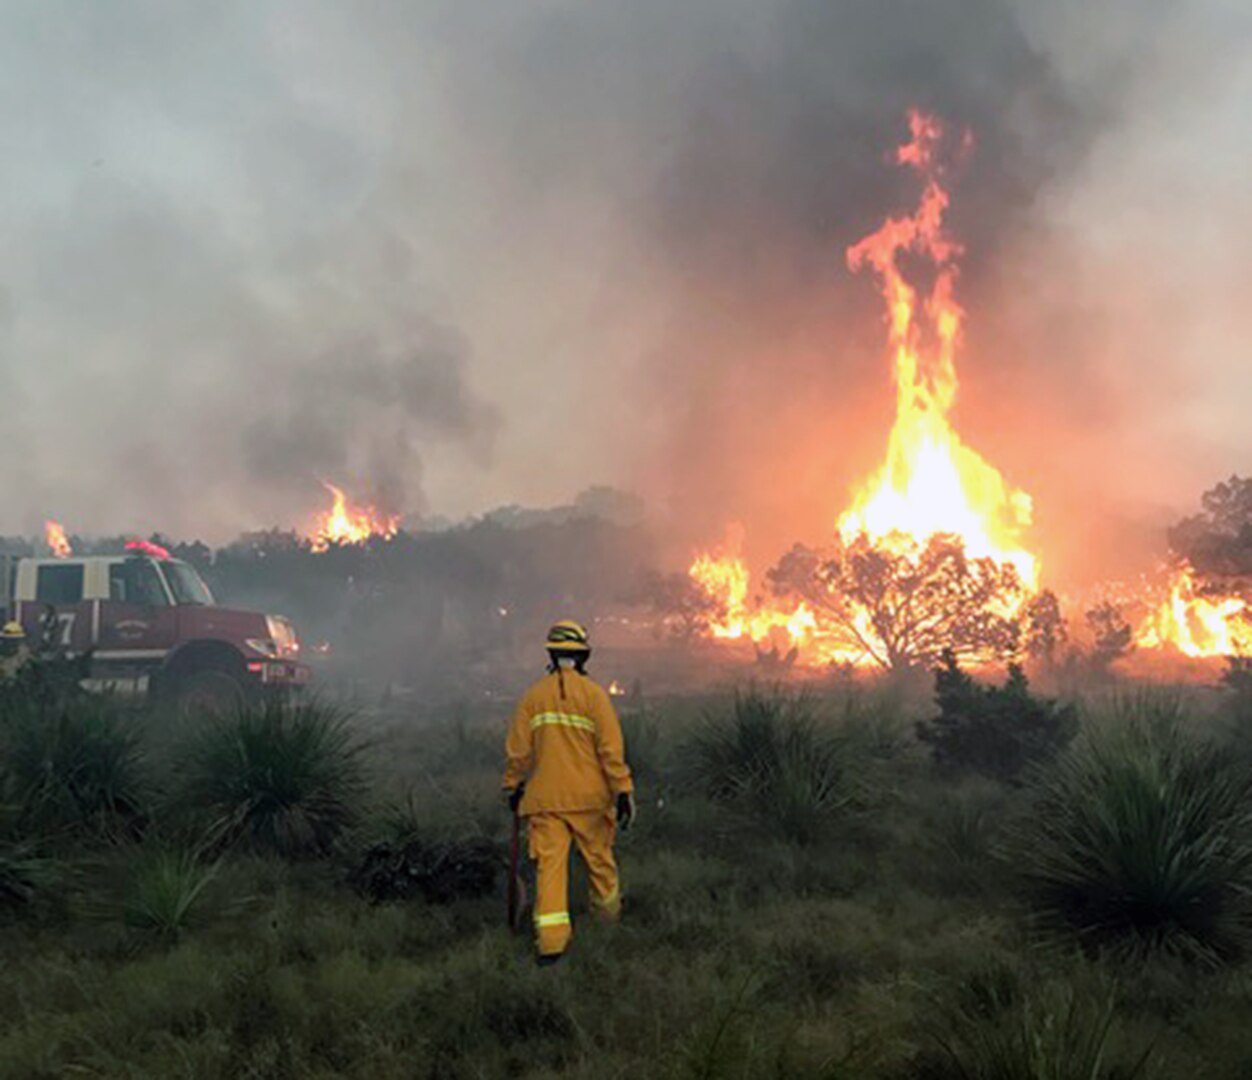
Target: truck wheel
[{"x": 207, "y": 692}]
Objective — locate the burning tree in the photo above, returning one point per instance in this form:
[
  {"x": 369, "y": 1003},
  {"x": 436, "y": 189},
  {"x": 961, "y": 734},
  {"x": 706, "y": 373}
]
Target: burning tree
[
  {"x": 686, "y": 609},
  {"x": 1044, "y": 629},
  {"x": 929, "y": 555},
  {"x": 1206, "y": 611},
  {"x": 1111, "y": 635},
  {"x": 1218, "y": 540},
  {"x": 345, "y": 523},
  {"x": 902, "y": 603}
]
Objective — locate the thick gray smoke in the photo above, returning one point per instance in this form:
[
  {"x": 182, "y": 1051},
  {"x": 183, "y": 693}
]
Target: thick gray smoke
[
  {"x": 357, "y": 412},
  {"x": 452, "y": 255}
]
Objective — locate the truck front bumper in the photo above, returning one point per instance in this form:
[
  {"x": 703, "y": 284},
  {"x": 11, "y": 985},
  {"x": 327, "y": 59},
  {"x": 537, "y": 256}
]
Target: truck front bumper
[{"x": 280, "y": 672}]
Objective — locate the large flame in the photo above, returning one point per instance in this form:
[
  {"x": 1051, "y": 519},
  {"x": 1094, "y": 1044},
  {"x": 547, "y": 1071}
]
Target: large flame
[
  {"x": 347, "y": 524},
  {"x": 930, "y": 482},
  {"x": 1196, "y": 622},
  {"x": 724, "y": 577},
  {"x": 58, "y": 542}
]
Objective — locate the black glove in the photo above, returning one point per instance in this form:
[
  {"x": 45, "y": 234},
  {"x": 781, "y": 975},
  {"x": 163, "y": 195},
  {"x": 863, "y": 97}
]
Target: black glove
[
  {"x": 625, "y": 810},
  {"x": 515, "y": 797}
]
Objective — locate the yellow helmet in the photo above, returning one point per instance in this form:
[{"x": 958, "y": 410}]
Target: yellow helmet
[
  {"x": 12, "y": 631},
  {"x": 569, "y": 636}
]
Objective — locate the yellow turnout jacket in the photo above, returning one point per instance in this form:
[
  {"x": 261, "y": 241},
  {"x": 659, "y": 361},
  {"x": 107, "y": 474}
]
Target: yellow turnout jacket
[{"x": 566, "y": 742}]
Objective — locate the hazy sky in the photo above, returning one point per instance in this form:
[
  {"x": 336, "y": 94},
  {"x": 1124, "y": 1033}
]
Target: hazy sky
[{"x": 463, "y": 254}]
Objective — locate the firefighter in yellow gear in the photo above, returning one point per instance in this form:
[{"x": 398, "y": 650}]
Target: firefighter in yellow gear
[
  {"x": 13, "y": 651},
  {"x": 567, "y": 776}
]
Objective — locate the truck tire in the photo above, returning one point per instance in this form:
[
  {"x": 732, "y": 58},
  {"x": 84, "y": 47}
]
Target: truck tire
[{"x": 212, "y": 693}]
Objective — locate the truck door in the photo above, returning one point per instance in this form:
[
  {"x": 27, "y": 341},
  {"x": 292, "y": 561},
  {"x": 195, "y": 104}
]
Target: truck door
[
  {"x": 59, "y": 617},
  {"x": 138, "y": 621}
]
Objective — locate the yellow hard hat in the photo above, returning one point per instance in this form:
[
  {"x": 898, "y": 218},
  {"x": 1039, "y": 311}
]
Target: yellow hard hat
[
  {"x": 569, "y": 636},
  {"x": 13, "y": 631}
]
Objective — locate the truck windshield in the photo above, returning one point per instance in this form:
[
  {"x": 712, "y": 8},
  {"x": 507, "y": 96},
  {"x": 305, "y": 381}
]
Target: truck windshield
[{"x": 187, "y": 586}]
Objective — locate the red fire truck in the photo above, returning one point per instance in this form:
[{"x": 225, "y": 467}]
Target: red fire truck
[{"x": 151, "y": 627}]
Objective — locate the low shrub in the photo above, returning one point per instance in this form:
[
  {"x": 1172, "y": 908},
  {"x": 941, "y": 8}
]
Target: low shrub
[
  {"x": 772, "y": 763},
  {"x": 1236, "y": 681},
  {"x": 277, "y": 777},
  {"x": 962, "y": 830},
  {"x": 24, "y": 871},
  {"x": 1140, "y": 838},
  {"x": 438, "y": 871},
  {"x": 996, "y": 731},
  {"x": 997, "y": 1031},
  {"x": 72, "y": 762},
  {"x": 165, "y": 891},
  {"x": 641, "y": 730}
]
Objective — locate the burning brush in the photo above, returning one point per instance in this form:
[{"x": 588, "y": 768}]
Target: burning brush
[
  {"x": 345, "y": 523},
  {"x": 58, "y": 543}
]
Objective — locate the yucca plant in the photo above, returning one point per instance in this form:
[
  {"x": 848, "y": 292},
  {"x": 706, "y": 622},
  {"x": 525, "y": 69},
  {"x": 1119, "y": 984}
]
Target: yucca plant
[
  {"x": 26, "y": 869},
  {"x": 1141, "y": 840},
  {"x": 277, "y": 777},
  {"x": 770, "y": 761},
  {"x": 1052, "y": 1033},
  {"x": 960, "y": 838},
  {"x": 165, "y": 891},
  {"x": 74, "y": 763}
]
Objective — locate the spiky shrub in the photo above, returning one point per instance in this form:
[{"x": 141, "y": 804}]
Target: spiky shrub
[
  {"x": 770, "y": 761},
  {"x": 1053, "y": 1032},
  {"x": 1236, "y": 680},
  {"x": 277, "y": 777},
  {"x": 996, "y": 731},
  {"x": 72, "y": 762},
  {"x": 26, "y": 871},
  {"x": 960, "y": 838},
  {"x": 642, "y": 734},
  {"x": 165, "y": 891},
  {"x": 1140, "y": 840}
]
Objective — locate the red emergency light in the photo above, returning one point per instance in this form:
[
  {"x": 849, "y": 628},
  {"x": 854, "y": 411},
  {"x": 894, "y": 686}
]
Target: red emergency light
[{"x": 146, "y": 547}]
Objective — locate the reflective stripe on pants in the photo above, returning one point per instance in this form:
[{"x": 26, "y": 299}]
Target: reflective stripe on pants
[{"x": 551, "y": 836}]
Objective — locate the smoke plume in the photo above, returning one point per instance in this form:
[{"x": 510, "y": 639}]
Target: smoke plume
[{"x": 455, "y": 255}]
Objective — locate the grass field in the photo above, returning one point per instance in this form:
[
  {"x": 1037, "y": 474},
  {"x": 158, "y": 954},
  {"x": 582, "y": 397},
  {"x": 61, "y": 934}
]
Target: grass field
[{"x": 807, "y": 895}]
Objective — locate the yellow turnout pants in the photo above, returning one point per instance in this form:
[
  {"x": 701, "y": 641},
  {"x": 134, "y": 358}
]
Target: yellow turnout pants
[{"x": 551, "y": 835}]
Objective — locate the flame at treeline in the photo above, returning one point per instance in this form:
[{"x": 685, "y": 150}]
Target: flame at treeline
[
  {"x": 930, "y": 483},
  {"x": 348, "y": 523},
  {"x": 58, "y": 543},
  {"x": 1198, "y": 622}
]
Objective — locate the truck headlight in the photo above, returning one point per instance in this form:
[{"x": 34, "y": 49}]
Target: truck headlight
[
  {"x": 283, "y": 635},
  {"x": 264, "y": 646}
]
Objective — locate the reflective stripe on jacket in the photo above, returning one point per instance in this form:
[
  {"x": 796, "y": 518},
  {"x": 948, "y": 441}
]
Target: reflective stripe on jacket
[{"x": 566, "y": 742}]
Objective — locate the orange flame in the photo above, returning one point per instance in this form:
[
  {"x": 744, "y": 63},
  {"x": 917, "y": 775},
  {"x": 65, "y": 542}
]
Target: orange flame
[
  {"x": 58, "y": 542},
  {"x": 931, "y": 482},
  {"x": 724, "y": 577},
  {"x": 1197, "y": 624},
  {"x": 344, "y": 524}
]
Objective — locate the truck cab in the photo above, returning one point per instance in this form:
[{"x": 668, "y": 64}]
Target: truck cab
[{"x": 152, "y": 628}]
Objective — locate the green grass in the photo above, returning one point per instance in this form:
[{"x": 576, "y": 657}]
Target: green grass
[
  {"x": 885, "y": 939},
  {"x": 1057, "y": 1031}
]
